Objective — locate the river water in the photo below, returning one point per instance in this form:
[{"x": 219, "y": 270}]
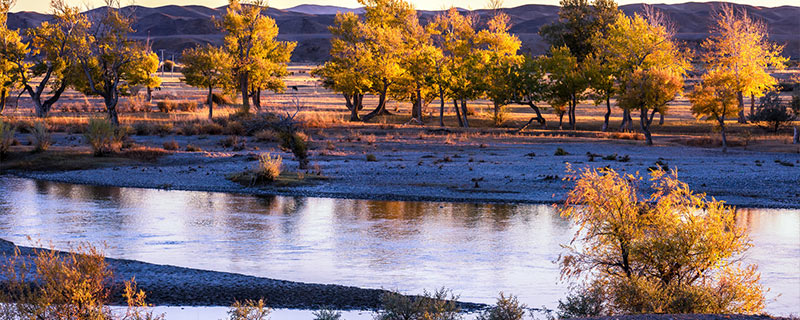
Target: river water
[{"x": 477, "y": 250}]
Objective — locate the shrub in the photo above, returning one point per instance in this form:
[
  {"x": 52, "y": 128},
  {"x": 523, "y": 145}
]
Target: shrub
[
  {"x": 135, "y": 103},
  {"x": 507, "y": 308},
  {"x": 210, "y": 128},
  {"x": 193, "y": 148},
  {"x": 235, "y": 142},
  {"x": 235, "y": 128},
  {"x": 561, "y": 152},
  {"x": 267, "y": 135},
  {"x": 171, "y": 145},
  {"x": 6, "y": 137},
  {"x": 326, "y": 314},
  {"x": 188, "y": 106},
  {"x": 163, "y": 128},
  {"x": 269, "y": 168},
  {"x": 220, "y": 99},
  {"x": 371, "y": 158},
  {"x": 500, "y": 117},
  {"x": 70, "y": 285},
  {"x": 167, "y": 106},
  {"x": 438, "y": 305},
  {"x": 297, "y": 144},
  {"x": 249, "y": 310},
  {"x": 143, "y": 128},
  {"x": 102, "y": 136},
  {"x": 41, "y": 137},
  {"x": 586, "y": 302},
  {"x": 773, "y": 112},
  {"x": 663, "y": 250}
]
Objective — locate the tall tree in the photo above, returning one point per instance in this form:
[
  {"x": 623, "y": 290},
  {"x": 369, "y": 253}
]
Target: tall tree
[
  {"x": 419, "y": 64},
  {"x": 108, "y": 56},
  {"x": 739, "y": 45},
  {"x": 716, "y": 99},
  {"x": 498, "y": 58},
  {"x": 579, "y": 21},
  {"x": 52, "y": 56},
  {"x": 456, "y": 37},
  {"x": 11, "y": 49},
  {"x": 207, "y": 67},
  {"x": 528, "y": 86},
  {"x": 566, "y": 81},
  {"x": 347, "y": 70},
  {"x": 258, "y": 58},
  {"x": 643, "y": 52},
  {"x": 144, "y": 72}
]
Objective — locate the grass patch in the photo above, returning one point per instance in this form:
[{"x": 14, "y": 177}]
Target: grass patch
[
  {"x": 285, "y": 179},
  {"x": 52, "y": 160}
]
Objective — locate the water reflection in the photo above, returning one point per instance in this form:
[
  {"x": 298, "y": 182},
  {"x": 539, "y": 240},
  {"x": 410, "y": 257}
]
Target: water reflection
[{"x": 476, "y": 249}]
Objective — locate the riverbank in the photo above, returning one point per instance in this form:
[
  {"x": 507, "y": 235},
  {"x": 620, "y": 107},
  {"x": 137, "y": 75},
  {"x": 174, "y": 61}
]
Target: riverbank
[
  {"x": 170, "y": 285},
  {"x": 433, "y": 165}
]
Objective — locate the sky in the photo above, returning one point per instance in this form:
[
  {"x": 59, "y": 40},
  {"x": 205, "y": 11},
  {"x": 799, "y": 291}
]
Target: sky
[{"x": 42, "y": 5}]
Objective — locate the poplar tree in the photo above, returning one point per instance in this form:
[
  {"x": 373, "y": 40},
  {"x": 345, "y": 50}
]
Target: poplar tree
[{"x": 207, "y": 67}]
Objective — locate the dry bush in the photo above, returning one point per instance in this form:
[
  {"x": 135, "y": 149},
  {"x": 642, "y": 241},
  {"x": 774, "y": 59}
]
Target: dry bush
[
  {"x": 369, "y": 139},
  {"x": 144, "y": 153},
  {"x": 167, "y": 106},
  {"x": 297, "y": 143},
  {"x": 102, "y": 137},
  {"x": 188, "y": 106},
  {"x": 133, "y": 104},
  {"x": 269, "y": 168},
  {"x": 7, "y": 132},
  {"x": 235, "y": 142},
  {"x": 621, "y": 135},
  {"x": 210, "y": 128},
  {"x": 193, "y": 148},
  {"x": 318, "y": 119},
  {"x": 69, "y": 285},
  {"x": 507, "y": 308},
  {"x": 710, "y": 142},
  {"x": 41, "y": 136},
  {"x": 440, "y": 305},
  {"x": 221, "y": 99},
  {"x": 163, "y": 128},
  {"x": 235, "y": 128},
  {"x": 267, "y": 135},
  {"x": 249, "y": 310},
  {"x": 76, "y": 107},
  {"x": 171, "y": 145}
]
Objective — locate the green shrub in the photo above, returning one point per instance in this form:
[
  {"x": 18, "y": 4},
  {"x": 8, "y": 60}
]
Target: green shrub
[
  {"x": 269, "y": 168},
  {"x": 6, "y": 137},
  {"x": 41, "y": 137},
  {"x": 249, "y": 310},
  {"x": 297, "y": 144},
  {"x": 102, "y": 137},
  {"x": 371, "y": 158},
  {"x": 439, "y": 305},
  {"x": 561, "y": 152},
  {"x": 586, "y": 302},
  {"x": 507, "y": 308},
  {"x": 326, "y": 314}
]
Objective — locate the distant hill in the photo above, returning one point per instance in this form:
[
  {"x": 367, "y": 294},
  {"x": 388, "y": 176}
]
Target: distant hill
[{"x": 174, "y": 28}]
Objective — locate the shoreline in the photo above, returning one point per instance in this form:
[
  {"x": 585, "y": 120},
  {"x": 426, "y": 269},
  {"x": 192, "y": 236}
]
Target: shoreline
[{"x": 167, "y": 285}]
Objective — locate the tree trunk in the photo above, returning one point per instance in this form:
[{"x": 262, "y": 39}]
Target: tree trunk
[
  {"x": 740, "y": 97},
  {"x": 210, "y": 103},
  {"x": 646, "y": 127},
  {"x": 496, "y": 114},
  {"x": 660, "y": 119},
  {"x": 722, "y": 131},
  {"x": 561, "y": 121},
  {"x": 607, "y": 115},
  {"x": 381, "y": 108},
  {"x": 752, "y": 104},
  {"x": 111, "y": 107},
  {"x": 464, "y": 112},
  {"x": 458, "y": 113},
  {"x": 256, "y": 96},
  {"x": 441, "y": 108},
  {"x": 3, "y": 94},
  {"x": 149, "y": 95},
  {"x": 572, "y": 119},
  {"x": 416, "y": 109},
  {"x": 244, "y": 87},
  {"x": 539, "y": 117}
]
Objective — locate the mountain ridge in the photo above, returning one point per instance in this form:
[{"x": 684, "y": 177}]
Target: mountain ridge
[{"x": 174, "y": 28}]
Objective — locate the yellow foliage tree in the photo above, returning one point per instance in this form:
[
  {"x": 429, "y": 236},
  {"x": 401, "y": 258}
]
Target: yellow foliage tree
[
  {"x": 739, "y": 45},
  {"x": 662, "y": 250},
  {"x": 207, "y": 67},
  {"x": 12, "y": 51},
  {"x": 716, "y": 99},
  {"x": 259, "y": 60}
]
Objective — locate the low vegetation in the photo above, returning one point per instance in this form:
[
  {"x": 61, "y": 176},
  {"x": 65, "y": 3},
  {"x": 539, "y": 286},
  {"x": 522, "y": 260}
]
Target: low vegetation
[
  {"x": 662, "y": 250},
  {"x": 103, "y": 137},
  {"x": 6, "y": 137}
]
